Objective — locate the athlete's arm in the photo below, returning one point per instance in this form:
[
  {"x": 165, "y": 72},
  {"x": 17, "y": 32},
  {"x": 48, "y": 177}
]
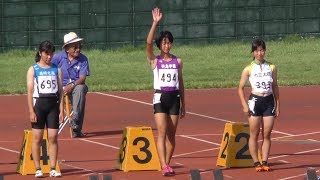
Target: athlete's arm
[
  {"x": 275, "y": 89},
  {"x": 244, "y": 79},
  {"x": 157, "y": 15},
  {"x": 181, "y": 88},
  {"x": 30, "y": 76}
]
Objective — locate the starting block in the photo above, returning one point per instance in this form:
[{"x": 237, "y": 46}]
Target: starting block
[
  {"x": 138, "y": 150},
  {"x": 93, "y": 177},
  {"x": 25, "y": 164},
  {"x": 195, "y": 174},
  {"x": 107, "y": 177},
  {"x": 104, "y": 177},
  {"x": 311, "y": 174},
  {"x": 217, "y": 174},
  {"x": 234, "y": 151}
]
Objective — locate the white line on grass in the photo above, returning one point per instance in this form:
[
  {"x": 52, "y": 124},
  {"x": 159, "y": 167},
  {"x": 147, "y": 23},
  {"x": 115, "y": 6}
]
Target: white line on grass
[{"x": 195, "y": 114}]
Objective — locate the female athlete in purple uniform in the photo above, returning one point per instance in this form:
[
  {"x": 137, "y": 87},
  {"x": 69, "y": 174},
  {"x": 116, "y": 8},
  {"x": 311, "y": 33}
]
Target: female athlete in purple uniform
[{"x": 168, "y": 100}]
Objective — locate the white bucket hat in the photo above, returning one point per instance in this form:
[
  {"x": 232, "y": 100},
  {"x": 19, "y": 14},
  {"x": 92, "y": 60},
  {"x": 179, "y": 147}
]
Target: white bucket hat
[{"x": 71, "y": 37}]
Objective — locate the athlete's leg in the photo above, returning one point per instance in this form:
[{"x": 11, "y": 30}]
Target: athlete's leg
[
  {"x": 161, "y": 123},
  {"x": 254, "y": 124},
  {"x": 37, "y": 135},
  {"x": 53, "y": 146},
  {"x": 171, "y": 133},
  {"x": 268, "y": 122}
]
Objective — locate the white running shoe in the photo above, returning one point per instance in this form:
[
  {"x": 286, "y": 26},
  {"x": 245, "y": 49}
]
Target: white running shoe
[
  {"x": 54, "y": 173},
  {"x": 38, "y": 174}
]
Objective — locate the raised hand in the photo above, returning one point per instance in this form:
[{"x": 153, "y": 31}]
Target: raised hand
[{"x": 156, "y": 14}]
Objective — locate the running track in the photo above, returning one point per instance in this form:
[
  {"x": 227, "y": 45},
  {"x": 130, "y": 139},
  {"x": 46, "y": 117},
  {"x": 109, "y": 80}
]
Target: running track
[{"x": 295, "y": 147}]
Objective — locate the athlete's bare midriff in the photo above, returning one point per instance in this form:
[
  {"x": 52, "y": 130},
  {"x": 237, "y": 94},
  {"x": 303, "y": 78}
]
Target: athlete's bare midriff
[{"x": 261, "y": 94}]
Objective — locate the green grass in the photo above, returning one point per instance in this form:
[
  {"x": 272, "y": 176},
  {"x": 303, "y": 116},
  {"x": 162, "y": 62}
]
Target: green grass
[{"x": 205, "y": 66}]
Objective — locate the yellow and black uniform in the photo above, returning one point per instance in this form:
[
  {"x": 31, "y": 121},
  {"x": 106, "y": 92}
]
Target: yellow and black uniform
[{"x": 260, "y": 78}]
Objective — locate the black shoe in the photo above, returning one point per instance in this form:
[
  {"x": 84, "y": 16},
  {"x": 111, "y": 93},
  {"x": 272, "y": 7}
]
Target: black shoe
[
  {"x": 73, "y": 125},
  {"x": 78, "y": 135}
]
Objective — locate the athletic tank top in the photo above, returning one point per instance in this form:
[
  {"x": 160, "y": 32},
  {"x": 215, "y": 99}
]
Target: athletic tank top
[
  {"x": 261, "y": 76},
  {"x": 165, "y": 74},
  {"x": 45, "y": 81}
]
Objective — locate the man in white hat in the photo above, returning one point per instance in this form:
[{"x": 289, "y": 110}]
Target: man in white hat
[{"x": 75, "y": 69}]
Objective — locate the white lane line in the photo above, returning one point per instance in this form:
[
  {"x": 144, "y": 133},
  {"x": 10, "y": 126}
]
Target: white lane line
[
  {"x": 279, "y": 132},
  {"x": 204, "y": 171},
  {"x": 289, "y": 136},
  {"x": 194, "y": 135},
  {"x": 313, "y": 140},
  {"x": 106, "y": 145},
  {"x": 77, "y": 167},
  {"x": 301, "y": 152},
  {"x": 119, "y": 97},
  {"x": 299, "y": 175},
  {"x": 283, "y": 161},
  {"x": 60, "y": 162},
  {"x": 10, "y": 150},
  {"x": 178, "y": 155},
  {"x": 196, "y": 114},
  {"x": 91, "y": 138},
  {"x": 197, "y": 139},
  {"x": 209, "y": 117}
]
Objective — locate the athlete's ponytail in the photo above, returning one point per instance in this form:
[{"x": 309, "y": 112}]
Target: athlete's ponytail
[{"x": 45, "y": 46}]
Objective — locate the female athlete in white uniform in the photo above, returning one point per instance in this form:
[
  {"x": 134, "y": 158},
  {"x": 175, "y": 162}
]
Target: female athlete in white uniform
[
  {"x": 169, "y": 92},
  {"x": 263, "y": 104},
  {"x": 45, "y": 102}
]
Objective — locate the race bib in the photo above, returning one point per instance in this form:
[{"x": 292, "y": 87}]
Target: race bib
[
  {"x": 47, "y": 84},
  {"x": 263, "y": 84},
  {"x": 168, "y": 77}
]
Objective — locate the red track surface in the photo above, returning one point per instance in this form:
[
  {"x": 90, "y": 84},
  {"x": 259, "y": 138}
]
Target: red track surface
[{"x": 208, "y": 111}]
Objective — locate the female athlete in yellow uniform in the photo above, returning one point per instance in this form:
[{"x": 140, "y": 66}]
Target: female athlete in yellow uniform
[{"x": 263, "y": 104}]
